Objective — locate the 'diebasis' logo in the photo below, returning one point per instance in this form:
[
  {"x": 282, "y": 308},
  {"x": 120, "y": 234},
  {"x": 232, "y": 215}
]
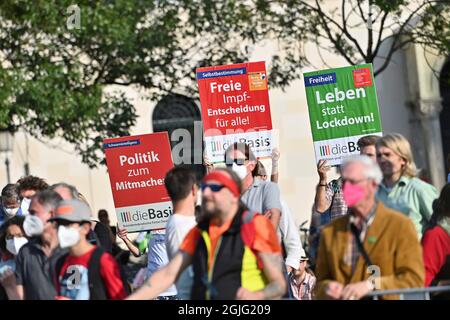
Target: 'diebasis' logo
[
  {"x": 338, "y": 148},
  {"x": 150, "y": 214},
  {"x": 220, "y": 146}
]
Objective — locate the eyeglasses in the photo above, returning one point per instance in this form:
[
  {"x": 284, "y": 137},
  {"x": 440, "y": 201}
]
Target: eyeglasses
[
  {"x": 213, "y": 187},
  {"x": 239, "y": 162},
  {"x": 12, "y": 236}
]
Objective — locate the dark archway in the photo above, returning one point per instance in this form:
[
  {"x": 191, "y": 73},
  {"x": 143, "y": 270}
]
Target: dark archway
[
  {"x": 444, "y": 87},
  {"x": 176, "y": 111}
]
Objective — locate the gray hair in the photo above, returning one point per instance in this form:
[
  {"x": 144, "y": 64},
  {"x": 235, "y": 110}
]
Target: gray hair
[
  {"x": 372, "y": 171},
  {"x": 73, "y": 191},
  {"x": 11, "y": 192},
  {"x": 48, "y": 198}
]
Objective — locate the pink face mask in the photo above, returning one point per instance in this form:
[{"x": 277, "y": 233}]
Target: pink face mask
[{"x": 353, "y": 194}]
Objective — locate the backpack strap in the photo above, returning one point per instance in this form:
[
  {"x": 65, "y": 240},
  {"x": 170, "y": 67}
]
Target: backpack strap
[
  {"x": 126, "y": 285},
  {"x": 92, "y": 238},
  {"x": 248, "y": 233},
  {"x": 56, "y": 271},
  {"x": 360, "y": 245},
  {"x": 97, "y": 290}
]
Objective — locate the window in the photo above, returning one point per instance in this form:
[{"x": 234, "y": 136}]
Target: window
[{"x": 176, "y": 111}]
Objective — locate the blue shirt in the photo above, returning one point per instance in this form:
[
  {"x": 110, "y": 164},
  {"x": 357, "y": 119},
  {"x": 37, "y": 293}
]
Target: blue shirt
[{"x": 157, "y": 257}]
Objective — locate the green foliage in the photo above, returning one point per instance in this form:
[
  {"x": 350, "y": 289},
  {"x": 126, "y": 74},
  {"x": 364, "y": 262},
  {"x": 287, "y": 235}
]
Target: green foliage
[
  {"x": 53, "y": 76},
  {"x": 434, "y": 28},
  {"x": 348, "y": 29}
]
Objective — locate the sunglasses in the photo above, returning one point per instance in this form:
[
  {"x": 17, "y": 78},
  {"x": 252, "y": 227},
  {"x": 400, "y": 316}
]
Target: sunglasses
[
  {"x": 239, "y": 162},
  {"x": 213, "y": 187}
]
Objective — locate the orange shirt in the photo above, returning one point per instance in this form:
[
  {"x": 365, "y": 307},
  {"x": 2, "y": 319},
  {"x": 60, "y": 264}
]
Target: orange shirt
[{"x": 265, "y": 237}]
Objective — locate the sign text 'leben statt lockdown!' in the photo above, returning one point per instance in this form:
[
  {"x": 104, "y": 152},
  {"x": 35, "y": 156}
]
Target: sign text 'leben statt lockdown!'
[
  {"x": 343, "y": 107},
  {"x": 235, "y": 108},
  {"x": 137, "y": 166}
]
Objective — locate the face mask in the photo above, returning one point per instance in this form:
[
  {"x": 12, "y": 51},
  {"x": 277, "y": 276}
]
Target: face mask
[
  {"x": 353, "y": 194},
  {"x": 25, "y": 205},
  {"x": 11, "y": 212},
  {"x": 13, "y": 245},
  {"x": 68, "y": 237},
  {"x": 240, "y": 170},
  {"x": 33, "y": 226}
]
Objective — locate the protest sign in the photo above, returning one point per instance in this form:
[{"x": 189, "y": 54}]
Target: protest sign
[
  {"x": 137, "y": 166},
  {"x": 343, "y": 107},
  {"x": 235, "y": 108}
]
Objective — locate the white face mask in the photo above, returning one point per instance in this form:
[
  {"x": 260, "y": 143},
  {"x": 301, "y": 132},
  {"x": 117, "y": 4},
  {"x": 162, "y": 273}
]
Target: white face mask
[
  {"x": 240, "y": 170},
  {"x": 10, "y": 212},
  {"x": 25, "y": 205},
  {"x": 68, "y": 237},
  {"x": 13, "y": 245},
  {"x": 33, "y": 226}
]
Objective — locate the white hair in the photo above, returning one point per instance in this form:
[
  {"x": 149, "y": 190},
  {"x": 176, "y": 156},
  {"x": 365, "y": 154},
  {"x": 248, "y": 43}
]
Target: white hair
[{"x": 372, "y": 171}]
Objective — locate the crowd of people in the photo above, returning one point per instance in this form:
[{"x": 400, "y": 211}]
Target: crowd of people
[{"x": 233, "y": 236}]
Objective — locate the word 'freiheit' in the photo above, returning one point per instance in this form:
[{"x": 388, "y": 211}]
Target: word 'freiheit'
[{"x": 139, "y": 158}]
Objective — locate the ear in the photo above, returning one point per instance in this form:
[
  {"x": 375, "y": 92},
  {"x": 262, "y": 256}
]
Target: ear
[
  {"x": 85, "y": 228},
  {"x": 403, "y": 162},
  {"x": 195, "y": 191},
  {"x": 374, "y": 186}
]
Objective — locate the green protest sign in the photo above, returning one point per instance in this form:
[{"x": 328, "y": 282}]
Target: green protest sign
[{"x": 343, "y": 107}]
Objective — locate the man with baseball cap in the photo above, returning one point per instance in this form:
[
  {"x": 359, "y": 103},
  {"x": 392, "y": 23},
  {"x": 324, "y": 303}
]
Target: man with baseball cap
[
  {"x": 86, "y": 272},
  {"x": 234, "y": 252}
]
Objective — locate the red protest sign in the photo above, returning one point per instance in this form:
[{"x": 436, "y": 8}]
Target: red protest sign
[
  {"x": 137, "y": 166},
  {"x": 235, "y": 108}
]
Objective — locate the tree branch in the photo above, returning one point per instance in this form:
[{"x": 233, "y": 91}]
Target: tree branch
[
  {"x": 127, "y": 83},
  {"x": 343, "y": 28},
  {"x": 380, "y": 33},
  {"x": 332, "y": 39},
  {"x": 397, "y": 35},
  {"x": 392, "y": 50},
  {"x": 321, "y": 57},
  {"x": 413, "y": 13},
  {"x": 102, "y": 70},
  {"x": 369, "y": 34},
  {"x": 361, "y": 11}
]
